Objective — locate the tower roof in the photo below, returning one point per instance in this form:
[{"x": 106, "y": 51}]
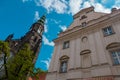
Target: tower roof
[{"x": 42, "y": 20}]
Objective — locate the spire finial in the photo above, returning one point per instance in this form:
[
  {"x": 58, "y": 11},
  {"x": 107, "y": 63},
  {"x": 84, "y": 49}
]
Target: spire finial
[{"x": 42, "y": 20}]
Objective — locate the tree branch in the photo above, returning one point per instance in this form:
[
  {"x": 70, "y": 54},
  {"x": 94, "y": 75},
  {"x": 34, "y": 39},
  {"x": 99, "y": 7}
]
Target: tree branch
[{"x": 1, "y": 67}]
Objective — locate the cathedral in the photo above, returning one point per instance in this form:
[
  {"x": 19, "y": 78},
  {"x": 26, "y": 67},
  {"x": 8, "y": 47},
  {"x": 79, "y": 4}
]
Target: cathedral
[
  {"x": 89, "y": 49},
  {"x": 33, "y": 37}
]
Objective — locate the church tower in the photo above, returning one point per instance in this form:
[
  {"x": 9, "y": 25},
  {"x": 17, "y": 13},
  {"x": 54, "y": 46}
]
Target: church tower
[{"x": 33, "y": 37}]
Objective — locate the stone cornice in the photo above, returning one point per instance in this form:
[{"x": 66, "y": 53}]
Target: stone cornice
[
  {"x": 91, "y": 24},
  {"x": 52, "y": 72},
  {"x": 82, "y": 11},
  {"x": 89, "y": 68}
]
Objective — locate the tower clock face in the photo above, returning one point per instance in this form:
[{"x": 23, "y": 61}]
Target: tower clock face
[{"x": 38, "y": 31}]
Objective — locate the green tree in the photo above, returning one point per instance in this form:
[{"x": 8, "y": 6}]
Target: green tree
[
  {"x": 21, "y": 64},
  {"x": 4, "y": 49}
]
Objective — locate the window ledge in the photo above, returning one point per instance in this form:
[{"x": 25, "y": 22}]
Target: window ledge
[
  {"x": 116, "y": 65},
  {"x": 62, "y": 72},
  {"x": 65, "y": 48},
  {"x": 109, "y": 34}
]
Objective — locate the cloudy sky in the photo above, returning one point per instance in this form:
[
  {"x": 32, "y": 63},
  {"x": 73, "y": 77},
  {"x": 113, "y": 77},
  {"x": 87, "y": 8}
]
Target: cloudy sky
[{"x": 17, "y": 16}]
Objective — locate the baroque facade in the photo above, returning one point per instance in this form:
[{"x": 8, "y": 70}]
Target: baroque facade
[
  {"x": 33, "y": 37},
  {"x": 89, "y": 49}
]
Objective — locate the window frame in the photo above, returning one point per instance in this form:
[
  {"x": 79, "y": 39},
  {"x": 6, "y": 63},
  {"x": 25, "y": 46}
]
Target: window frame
[
  {"x": 64, "y": 58},
  {"x": 83, "y": 17},
  {"x": 115, "y": 50},
  {"x": 83, "y": 54},
  {"x": 60, "y": 70},
  {"x": 83, "y": 24},
  {"x": 104, "y": 33},
  {"x": 65, "y": 43}
]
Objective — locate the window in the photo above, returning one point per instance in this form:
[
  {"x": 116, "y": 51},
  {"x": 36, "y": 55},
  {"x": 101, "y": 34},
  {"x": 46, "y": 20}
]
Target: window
[
  {"x": 108, "y": 31},
  {"x": 63, "y": 64},
  {"x": 66, "y": 45},
  {"x": 114, "y": 49},
  {"x": 116, "y": 57},
  {"x": 63, "y": 67},
  {"x": 35, "y": 39},
  {"x": 83, "y": 17},
  {"x": 86, "y": 58},
  {"x": 83, "y": 24}
]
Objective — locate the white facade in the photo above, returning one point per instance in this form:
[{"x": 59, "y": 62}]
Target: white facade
[{"x": 93, "y": 52}]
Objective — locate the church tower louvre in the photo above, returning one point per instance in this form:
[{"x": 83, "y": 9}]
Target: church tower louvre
[{"x": 33, "y": 37}]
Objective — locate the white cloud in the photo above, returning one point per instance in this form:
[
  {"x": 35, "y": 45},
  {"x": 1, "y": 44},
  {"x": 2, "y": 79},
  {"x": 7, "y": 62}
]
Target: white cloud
[
  {"x": 63, "y": 27},
  {"x": 92, "y": 1},
  {"x": 55, "y": 21},
  {"x": 117, "y": 4},
  {"x": 86, "y": 4},
  {"x": 46, "y": 4},
  {"x": 75, "y": 6},
  {"x": 46, "y": 26},
  {"x": 60, "y": 7},
  {"x": 53, "y": 5},
  {"x": 25, "y": 1},
  {"x": 36, "y": 16},
  {"x": 47, "y": 42},
  {"x": 47, "y": 62},
  {"x": 72, "y": 6},
  {"x": 104, "y": 1},
  {"x": 100, "y": 8}
]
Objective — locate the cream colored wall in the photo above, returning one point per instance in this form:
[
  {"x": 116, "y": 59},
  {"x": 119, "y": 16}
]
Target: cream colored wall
[
  {"x": 90, "y": 16},
  {"x": 101, "y": 62}
]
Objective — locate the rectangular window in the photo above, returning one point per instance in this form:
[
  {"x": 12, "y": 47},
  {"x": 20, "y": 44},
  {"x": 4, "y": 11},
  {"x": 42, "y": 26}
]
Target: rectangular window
[
  {"x": 66, "y": 45},
  {"x": 86, "y": 60},
  {"x": 108, "y": 31},
  {"x": 116, "y": 57},
  {"x": 63, "y": 67},
  {"x": 84, "y": 24}
]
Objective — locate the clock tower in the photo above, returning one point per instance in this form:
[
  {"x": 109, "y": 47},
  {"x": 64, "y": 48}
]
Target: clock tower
[{"x": 33, "y": 37}]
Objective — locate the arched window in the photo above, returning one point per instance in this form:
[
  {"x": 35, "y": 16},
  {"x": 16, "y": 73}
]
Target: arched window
[
  {"x": 114, "y": 49},
  {"x": 63, "y": 64},
  {"x": 85, "y": 58}
]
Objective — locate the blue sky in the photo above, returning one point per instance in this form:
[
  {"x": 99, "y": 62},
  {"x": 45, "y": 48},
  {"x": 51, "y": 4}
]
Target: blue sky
[{"x": 17, "y": 16}]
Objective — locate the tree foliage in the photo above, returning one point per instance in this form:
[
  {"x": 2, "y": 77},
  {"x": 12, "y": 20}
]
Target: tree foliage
[
  {"x": 4, "y": 49},
  {"x": 21, "y": 64}
]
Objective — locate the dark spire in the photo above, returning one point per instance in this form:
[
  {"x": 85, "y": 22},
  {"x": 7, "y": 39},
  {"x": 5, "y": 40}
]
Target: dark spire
[
  {"x": 9, "y": 37},
  {"x": 42, "y": 20}
]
